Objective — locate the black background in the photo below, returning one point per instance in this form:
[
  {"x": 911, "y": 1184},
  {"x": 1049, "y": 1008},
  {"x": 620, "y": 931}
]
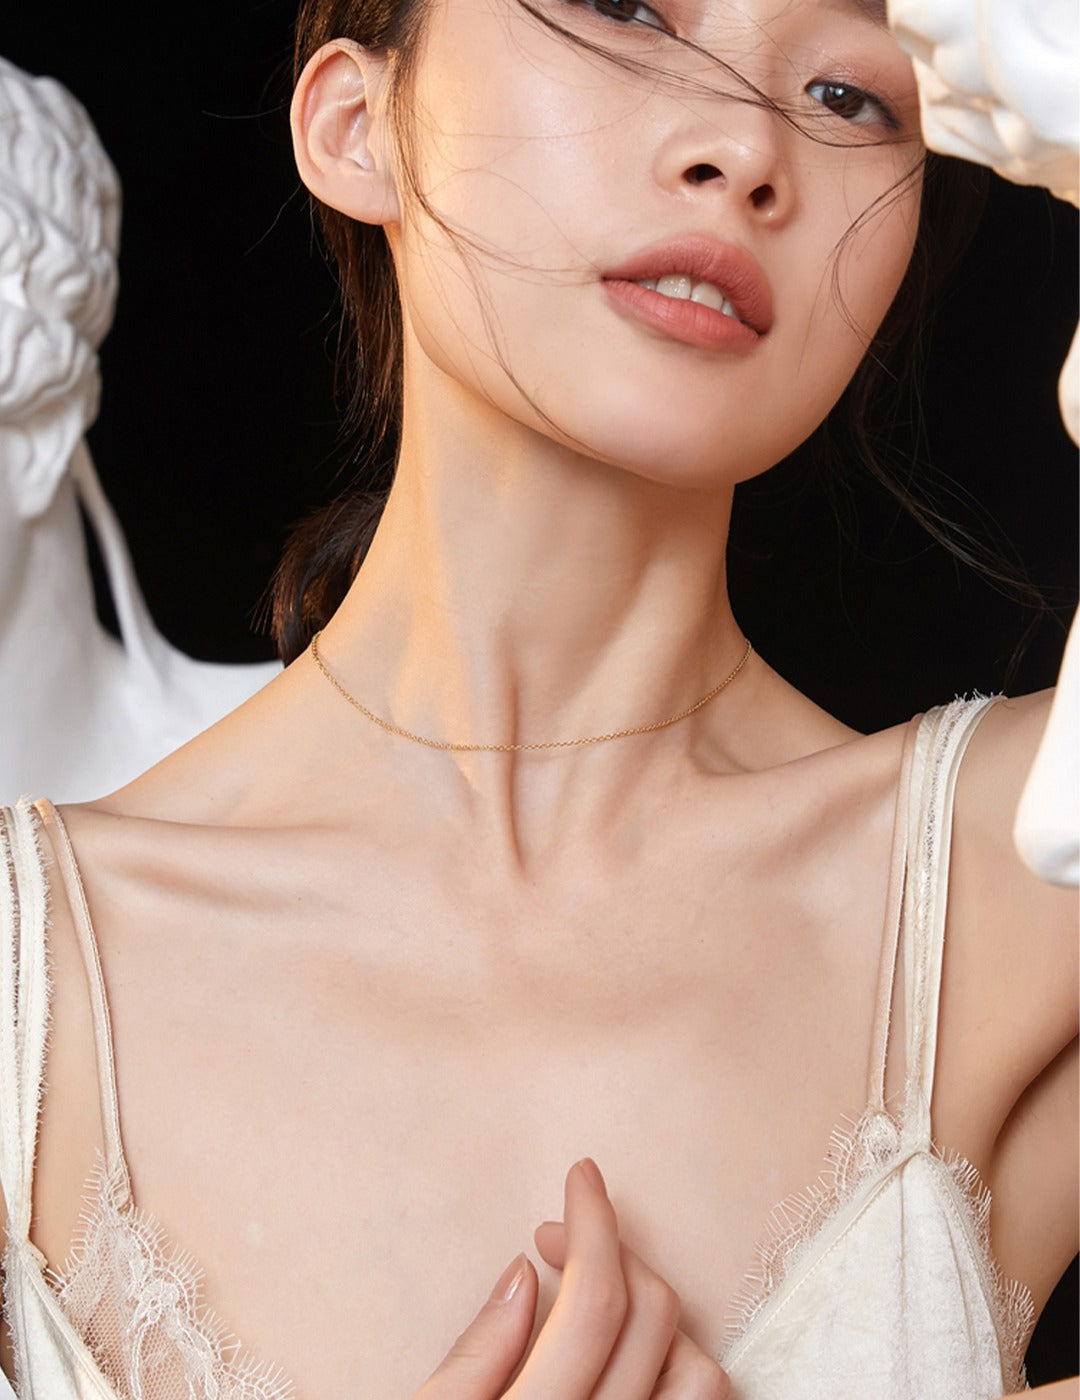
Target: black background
[{"x": 218, "y": 427}]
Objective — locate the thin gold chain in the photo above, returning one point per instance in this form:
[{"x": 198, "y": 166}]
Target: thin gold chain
[{"x": 518, "y": 748}]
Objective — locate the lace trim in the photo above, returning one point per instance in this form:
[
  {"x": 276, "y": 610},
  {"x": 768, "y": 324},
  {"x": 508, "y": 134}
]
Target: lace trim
[
  {"x": 868, "y": 1148},
  {"x": 138, "y": 1304},
  {"x": 1011, "y": 1304}
]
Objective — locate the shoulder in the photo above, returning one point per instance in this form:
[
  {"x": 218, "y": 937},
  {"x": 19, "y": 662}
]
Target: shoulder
[
  {"x": 1033, "y": 922},
  {"x": 998, "y": 760},
  {"x": 1021, "y": 930}
]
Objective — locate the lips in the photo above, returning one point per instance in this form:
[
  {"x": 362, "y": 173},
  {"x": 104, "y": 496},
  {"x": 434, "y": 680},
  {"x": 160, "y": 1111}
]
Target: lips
[{"x": 735, "y": 271}]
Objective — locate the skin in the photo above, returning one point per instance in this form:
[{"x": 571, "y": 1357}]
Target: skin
[{"x": 460, "y": 972}]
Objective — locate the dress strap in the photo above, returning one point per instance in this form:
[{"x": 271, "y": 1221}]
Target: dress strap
[
  {"x": 115, "y": 1164},
  {"x": 24, "y": 1009},
  {"x": 879, "y": 1044},
  {"x": 940, "y": 745}
]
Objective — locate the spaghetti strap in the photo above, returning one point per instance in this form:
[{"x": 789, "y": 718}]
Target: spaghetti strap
[
  {"x": 24, "y": 1010},
  {"x": 116, "y": 1167},
  {"x": 941, "y": 742},
  {"x": 879, "y": 1044}
]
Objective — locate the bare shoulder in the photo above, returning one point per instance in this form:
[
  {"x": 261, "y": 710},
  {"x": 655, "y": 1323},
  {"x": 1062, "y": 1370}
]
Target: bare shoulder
[
  {"x": 999, "y": 759},
  {"x": 206, "y": 807},
  {"x": 1020, "y": 930},
  {"x": 1035, "y": 922}
]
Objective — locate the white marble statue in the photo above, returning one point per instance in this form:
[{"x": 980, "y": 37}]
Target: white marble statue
[
  {"x": 998, "y": 84},
  {"x": 80, "y": 712}
]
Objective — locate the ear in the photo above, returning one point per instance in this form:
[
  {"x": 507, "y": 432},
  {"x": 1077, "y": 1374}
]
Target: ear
[{"x": 340, "y": 133}]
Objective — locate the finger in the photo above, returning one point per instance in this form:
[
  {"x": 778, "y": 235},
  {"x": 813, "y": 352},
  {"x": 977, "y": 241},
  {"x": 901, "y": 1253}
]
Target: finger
[
  {"x": 688, "y": 1374},
  {"x": 482, "y": 1360},
  {"x": 641, "y": 1350},
  {"x": 685, "y": 1371},
  {"x": 574, "y": 1345},
  {"x": 550, "y": 1240}
]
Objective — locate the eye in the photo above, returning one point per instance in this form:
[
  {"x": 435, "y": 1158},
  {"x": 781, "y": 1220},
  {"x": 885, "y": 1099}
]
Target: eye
[
  {"x": 851, "y": 104},
  {"x": 630, "y": 12}
]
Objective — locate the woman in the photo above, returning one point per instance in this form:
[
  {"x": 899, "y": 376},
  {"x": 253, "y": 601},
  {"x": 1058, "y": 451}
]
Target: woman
[{"x": 630, "y": 895}]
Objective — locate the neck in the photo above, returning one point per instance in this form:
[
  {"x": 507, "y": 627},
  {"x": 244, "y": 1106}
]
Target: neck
[{"x": 517, "y": 592}]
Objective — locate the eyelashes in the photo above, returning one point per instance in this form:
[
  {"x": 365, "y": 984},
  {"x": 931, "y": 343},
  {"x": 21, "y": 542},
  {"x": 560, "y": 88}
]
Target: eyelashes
[{"x": 852, "y": 104}]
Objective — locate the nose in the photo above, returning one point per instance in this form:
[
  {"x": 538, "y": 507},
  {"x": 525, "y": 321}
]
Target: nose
[{"x": 730, "y": 154}]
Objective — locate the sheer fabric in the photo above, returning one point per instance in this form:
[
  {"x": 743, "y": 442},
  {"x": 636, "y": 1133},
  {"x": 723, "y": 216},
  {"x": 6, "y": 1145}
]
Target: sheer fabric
[{"x": 877, "y": 1281}]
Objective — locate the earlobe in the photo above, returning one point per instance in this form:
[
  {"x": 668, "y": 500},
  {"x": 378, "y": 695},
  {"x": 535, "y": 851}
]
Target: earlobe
[{"x": 339, "y": 130}]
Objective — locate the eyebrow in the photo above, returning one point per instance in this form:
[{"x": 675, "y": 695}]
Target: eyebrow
[{"x": 872, "y": 10}]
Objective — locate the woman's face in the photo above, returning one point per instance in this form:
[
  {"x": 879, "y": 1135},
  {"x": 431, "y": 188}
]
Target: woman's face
[{"x": 564, "y": 180}]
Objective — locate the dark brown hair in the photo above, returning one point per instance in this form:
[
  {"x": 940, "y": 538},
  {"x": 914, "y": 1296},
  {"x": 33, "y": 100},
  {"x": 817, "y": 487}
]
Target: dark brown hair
[{"x": 327, "y": 549}]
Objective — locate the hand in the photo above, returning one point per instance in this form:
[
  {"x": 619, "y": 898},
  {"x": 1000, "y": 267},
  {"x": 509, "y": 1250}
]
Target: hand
[{"x": 612, "y": 1333}]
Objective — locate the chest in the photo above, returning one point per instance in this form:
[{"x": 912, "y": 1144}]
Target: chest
[
  {"x": 397, "y": 1135},
  {"x": 354, "y": 1107}
]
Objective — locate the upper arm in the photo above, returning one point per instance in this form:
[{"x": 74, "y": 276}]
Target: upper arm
[
  {"x": 1026, "y": 928},
  {"x": 1033, "y": 1175},
  {"x": 1009, "y": 1013}
]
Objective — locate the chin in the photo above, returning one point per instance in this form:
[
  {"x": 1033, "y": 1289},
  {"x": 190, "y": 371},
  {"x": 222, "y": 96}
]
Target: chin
[
  {"x": 664, "y": 448},
  {"x": 679, "y": 461},
  {"x": 690, "y": 432}
]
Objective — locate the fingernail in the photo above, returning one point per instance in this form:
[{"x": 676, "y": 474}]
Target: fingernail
[
  {"x": 592, "y": 1174},
  {"x": 510, "y": 1281}
]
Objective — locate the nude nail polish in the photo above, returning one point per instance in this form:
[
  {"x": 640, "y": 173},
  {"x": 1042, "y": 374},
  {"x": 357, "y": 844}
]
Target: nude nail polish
[
  {"x": 510, "y": 1280},
  {"x": 592, "y": 1174}
]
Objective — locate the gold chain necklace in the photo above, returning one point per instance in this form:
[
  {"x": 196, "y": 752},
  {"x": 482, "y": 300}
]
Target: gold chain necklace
[{"x": 518, "y": 748}]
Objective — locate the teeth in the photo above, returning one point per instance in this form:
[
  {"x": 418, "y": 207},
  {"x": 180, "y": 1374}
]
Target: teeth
[
  {"x": 675, "y": 286},
  {"x": 686, "y": 289},
  {"x": 708, "y": 295}
]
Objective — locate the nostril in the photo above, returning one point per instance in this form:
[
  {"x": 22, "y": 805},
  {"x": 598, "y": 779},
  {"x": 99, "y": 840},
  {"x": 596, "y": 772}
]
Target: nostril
[
  {"x": 763, "y": 197},
  {"x": 701, "y": 174}
]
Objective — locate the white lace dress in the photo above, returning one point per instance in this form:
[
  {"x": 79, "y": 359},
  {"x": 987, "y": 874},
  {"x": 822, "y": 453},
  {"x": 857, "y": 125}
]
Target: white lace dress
[{"x": 877, "y": 1282}]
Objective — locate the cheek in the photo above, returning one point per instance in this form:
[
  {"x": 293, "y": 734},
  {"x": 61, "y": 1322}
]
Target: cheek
[
  {"x": 840, "y": 273},
  {"x": 497, "y": 93},
  {"x": 872, "y": 262},
  {"x": 865, "y": 257},
  {"x": 506, "y": 170},
  {"x": 515, "y": 129}
]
